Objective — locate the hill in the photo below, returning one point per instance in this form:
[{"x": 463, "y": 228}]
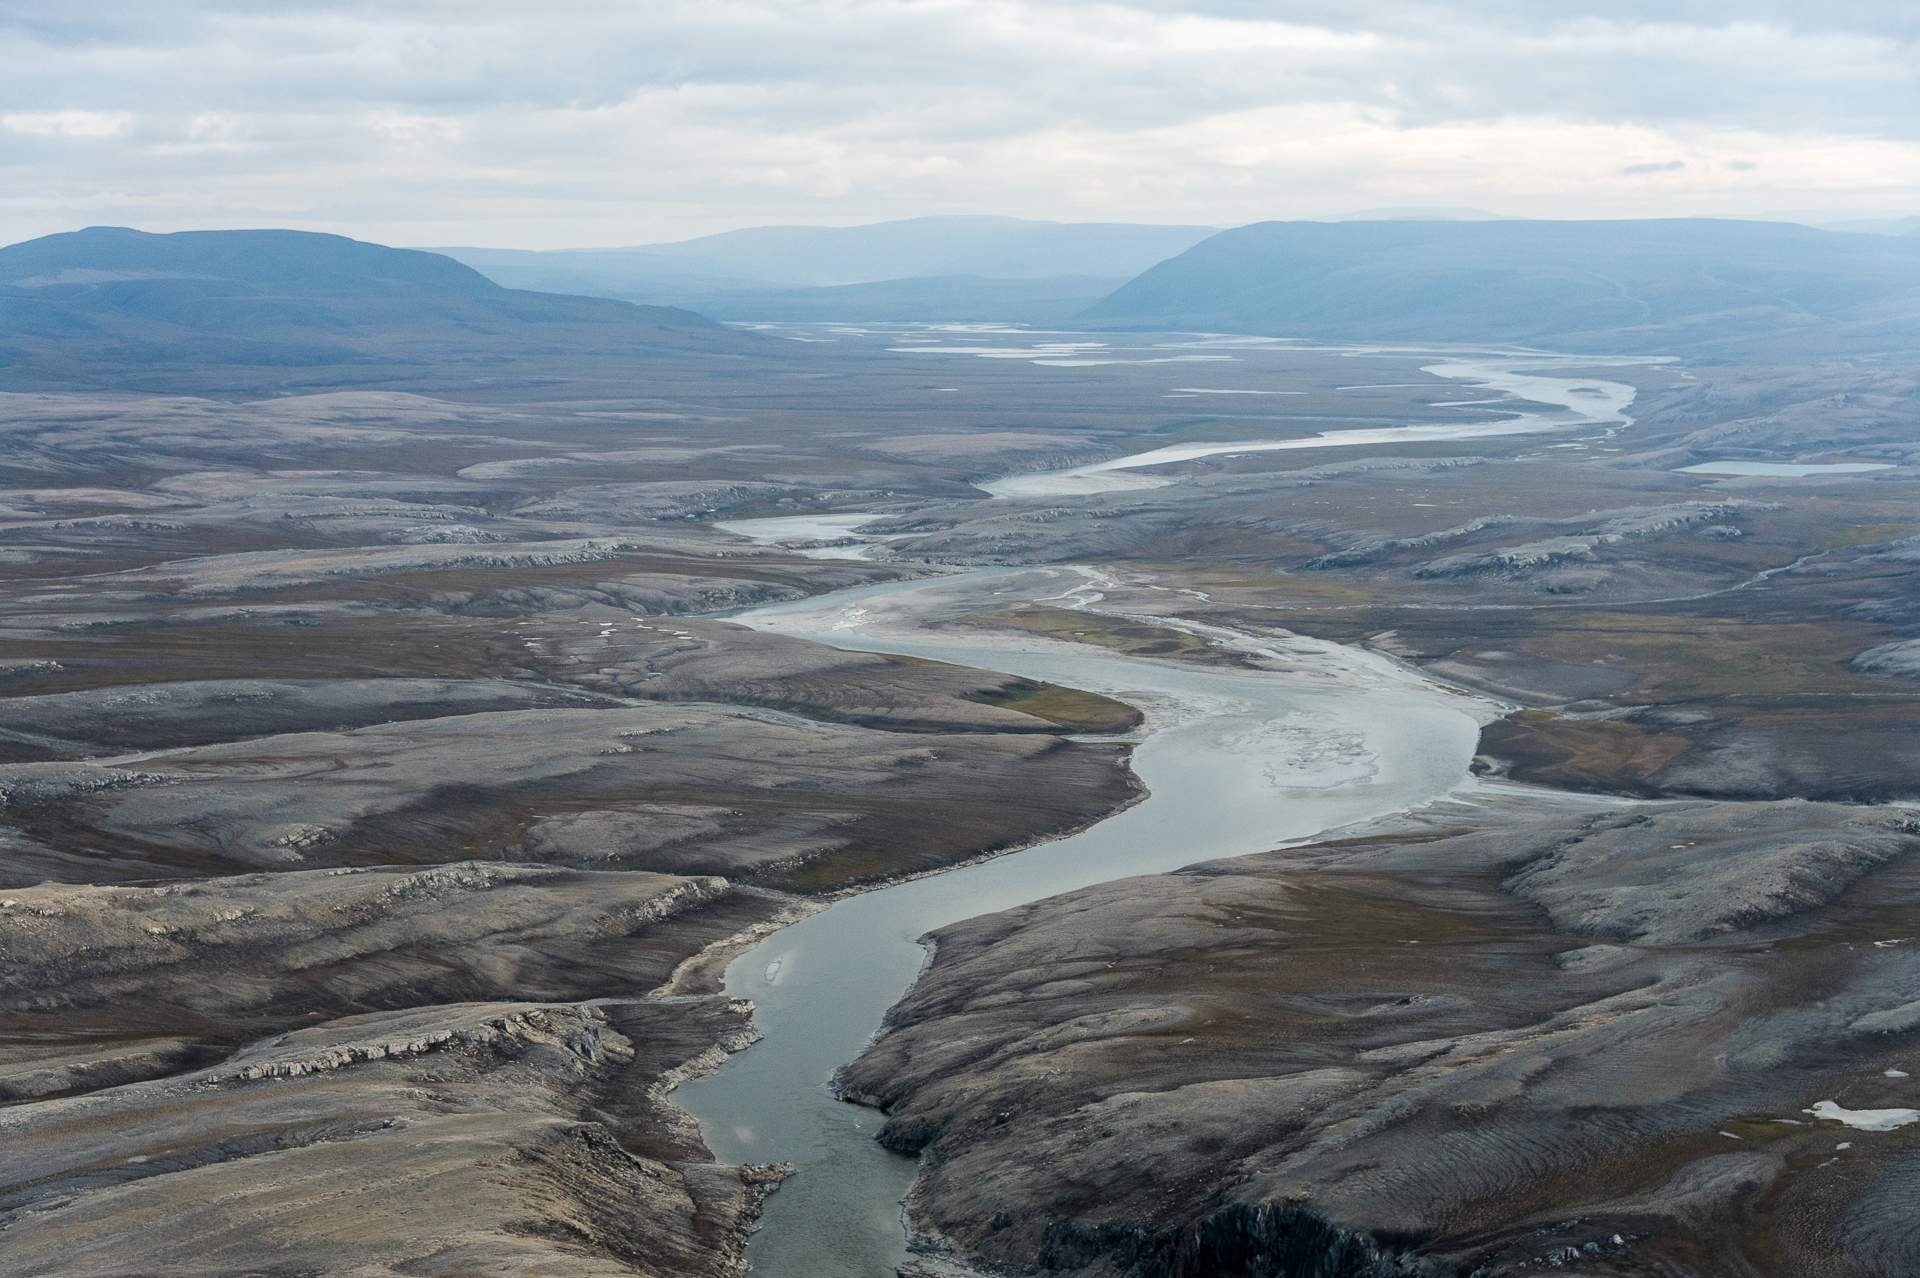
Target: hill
[
  {"x": 212, "y": 311},
  {"x": 1877, "y": 226},
  {"x": 1698, "y": 286}
]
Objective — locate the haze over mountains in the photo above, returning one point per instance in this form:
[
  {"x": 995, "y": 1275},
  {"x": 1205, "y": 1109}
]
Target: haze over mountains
[
  {"x": 1877, "y": 226},
  {"x": 964, "y": 267},
  {"x": 992, "y": 247}
]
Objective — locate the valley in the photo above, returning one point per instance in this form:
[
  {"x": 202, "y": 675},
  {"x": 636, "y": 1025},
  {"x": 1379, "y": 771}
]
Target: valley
[{"x": 1375, "y": 809}]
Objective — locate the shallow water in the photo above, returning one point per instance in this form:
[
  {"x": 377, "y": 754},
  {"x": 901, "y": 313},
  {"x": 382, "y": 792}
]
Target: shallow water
[
  {"x": 1570, "y": 402},
  {"x": 792, "y": 532},
  {"x": 1784, "y": 470},
  {"x": 1236, "y": 762}
]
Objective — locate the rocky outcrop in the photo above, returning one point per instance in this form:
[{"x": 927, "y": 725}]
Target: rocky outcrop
[
  {"x": 1900, "y": 659},
  {"x": 1581, "y": 545},
  {"x": 488, "y": 1138},
  {"x": 1428, "y": 1051},
  {"x": 853, "y": 803}
]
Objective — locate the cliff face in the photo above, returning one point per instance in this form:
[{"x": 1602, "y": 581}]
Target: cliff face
[
  {"x": 333, "y": 1067},
  {"x": 1592, "y": 1037},
  {"x": 491, "y": 1137}
]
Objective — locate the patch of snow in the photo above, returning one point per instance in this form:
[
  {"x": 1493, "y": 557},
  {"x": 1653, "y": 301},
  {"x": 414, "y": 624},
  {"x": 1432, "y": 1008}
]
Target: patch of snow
[{"x": 1865, "y": 1120}]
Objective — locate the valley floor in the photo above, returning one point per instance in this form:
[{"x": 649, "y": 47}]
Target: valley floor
[{"x": 386, "y": 780}]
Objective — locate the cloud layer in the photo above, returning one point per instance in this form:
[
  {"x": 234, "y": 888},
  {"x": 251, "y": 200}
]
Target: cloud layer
[{"x": 578, "y": 122}]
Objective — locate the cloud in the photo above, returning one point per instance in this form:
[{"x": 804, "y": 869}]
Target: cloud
[
  {"x": 580, "y": 122},
  {"x": 66, "y": 124}
]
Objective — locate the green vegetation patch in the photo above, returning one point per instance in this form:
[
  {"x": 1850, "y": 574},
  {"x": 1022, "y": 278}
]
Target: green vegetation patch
[
  {"x": 1678, "y": 658},
  {"x": 1847, "y": 536},
  {"x": 1071, "y": 708},
  {"x": 1583, "y": 754},
  {"x": 1134, "y": 638}
]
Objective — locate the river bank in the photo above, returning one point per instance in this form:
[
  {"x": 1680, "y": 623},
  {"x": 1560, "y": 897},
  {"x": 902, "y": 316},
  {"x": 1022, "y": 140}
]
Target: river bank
[{"x": 1234, "y": 761}]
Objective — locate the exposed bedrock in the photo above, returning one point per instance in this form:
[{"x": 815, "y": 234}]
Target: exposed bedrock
[
  {"x": 198, "y": 712},
  {"x": 1900, "y": 659},
  {"x": 100, "y": 985},
  {"x": 600, "y": 661},
  {"x": 1570, "y": 1042},
  {"x": 377, "y": 1071},
  {"x": 785, "y": 801},
  {"x": 498, "y": 1138}
]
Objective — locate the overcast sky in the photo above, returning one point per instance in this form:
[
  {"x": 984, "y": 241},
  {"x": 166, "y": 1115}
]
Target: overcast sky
[{"x": 564, "y": 123}]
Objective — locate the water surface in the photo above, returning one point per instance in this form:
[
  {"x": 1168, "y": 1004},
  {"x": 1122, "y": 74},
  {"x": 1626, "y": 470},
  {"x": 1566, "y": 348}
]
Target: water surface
[
  {"x": 1237, "y": 761},
  {"x": 794, "y": 533},
  {"x": 1784, "y": 470},
  {"x": 1568, "y": 402}
]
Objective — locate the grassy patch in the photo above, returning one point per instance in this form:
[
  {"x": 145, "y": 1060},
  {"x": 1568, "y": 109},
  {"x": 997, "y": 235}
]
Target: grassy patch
[
  {"x": 1071, "y": 708},
  {"x": 1849, "y": 535},
  {"x": 1134, "y": 638},
  {"x": 1581, "y": 753},
  {"x": 1680, "y": 658},
  {"x": 1245, "y": 583}
]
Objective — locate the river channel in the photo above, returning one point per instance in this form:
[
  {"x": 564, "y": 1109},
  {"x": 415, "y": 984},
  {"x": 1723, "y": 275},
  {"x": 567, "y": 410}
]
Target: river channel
[{"x": 1235, "y": 761}]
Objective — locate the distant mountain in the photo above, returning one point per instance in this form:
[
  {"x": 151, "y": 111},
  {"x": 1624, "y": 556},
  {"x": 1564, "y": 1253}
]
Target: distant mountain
[
  {"x": 951, "y": 299},
  {"x": 1876, "y": 226},
  {"x": 636, "y": 276},
  {"x": 991, "y": 247},
  {"x": 623, "y": 273},
  {"x": 239, "y": 310},
  {"x": 1417, "y": 214},
  {"x": 1676, "y": 285},
  {"x": 1011, "y": 268}
]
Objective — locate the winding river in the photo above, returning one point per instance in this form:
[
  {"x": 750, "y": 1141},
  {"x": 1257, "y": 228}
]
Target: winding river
[{"x": 1235, "y": 760}]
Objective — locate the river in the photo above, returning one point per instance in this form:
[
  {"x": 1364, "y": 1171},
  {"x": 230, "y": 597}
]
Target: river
[{"x": 1236, "y": 761}]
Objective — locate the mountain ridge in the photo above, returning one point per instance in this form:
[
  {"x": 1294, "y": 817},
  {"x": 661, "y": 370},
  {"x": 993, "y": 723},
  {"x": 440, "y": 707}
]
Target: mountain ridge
[
  {"x": 1699, "y": 285},
  {"x": 251, "y": 310}
]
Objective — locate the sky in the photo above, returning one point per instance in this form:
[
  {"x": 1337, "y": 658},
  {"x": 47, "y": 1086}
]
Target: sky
[{"x": 567, "y": 123}]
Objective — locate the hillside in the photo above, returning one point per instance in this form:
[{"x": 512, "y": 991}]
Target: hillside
[
  {"x": 210, "y": 311},
  {"x": 1702, "y": 287},
  {"x": 1877, "y": 226}
]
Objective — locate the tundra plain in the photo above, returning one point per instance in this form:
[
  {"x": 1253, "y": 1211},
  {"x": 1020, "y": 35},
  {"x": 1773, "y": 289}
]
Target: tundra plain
[{"x": 383, "y": 787}]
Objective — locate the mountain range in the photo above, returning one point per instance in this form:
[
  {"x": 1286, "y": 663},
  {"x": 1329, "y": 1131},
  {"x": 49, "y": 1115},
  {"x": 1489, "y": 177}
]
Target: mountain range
[{"x": 253, "y": 311}]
